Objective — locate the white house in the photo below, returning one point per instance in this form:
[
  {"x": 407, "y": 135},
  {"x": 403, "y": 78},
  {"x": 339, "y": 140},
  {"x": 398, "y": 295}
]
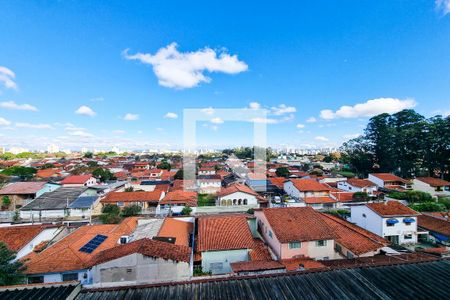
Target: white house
[
  {"x": 358, "y": 185},
  {"x": 310, "y": 193},
  {"x": 79, "y": 180},
  {"x": 390, "y": 220},
  {"x": 238, "y": 194},
  {"x": 209, "y": 184},
  {"x": 434, "y": 186},
  {"x": 390, "y": 181}
]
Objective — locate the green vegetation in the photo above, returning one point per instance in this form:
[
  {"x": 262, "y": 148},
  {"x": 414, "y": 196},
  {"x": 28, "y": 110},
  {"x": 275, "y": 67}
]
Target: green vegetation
[
  {"x": 164, "y": 165},
  {"x": 199, "y": 272},
  {"x": 405, "y": 143},
  {"x": 129, "y": 189},
  {"x": 88, "y": 155},
  {"x": 283, "y": 172},
  {"x": 361, "y": 196},
  {"x": 412, "y": 196},
  {"x": 10, "y": 272},
  {"x": 445, "y": 201},
  {"x": 131, "y": 210},
  {"x": 103, "y": 174},
  {"x": 23, "y": 172},
  {"x": 186, "y": 211},
  {"x": 110, "y": 214},
  {"x": 428, "y": 206},
  {"x": 6, "y": 201},
  {"x": 341, "y": 213},
  {"x": 179, "y": 174},
  {"x": 206, "y": 200}
]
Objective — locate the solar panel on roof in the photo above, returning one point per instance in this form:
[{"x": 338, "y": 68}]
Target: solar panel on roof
[{"x": 90, "y": 246}]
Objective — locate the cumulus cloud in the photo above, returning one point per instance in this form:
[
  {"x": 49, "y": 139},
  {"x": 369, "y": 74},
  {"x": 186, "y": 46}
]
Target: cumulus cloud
[
  {"x": 80, "y": 133},
  {"x": 443, "y": 6},
  {"x": 33, "y": 126},
  {"x": 369, "y": 109},
  {"x": 208, "y": 110},
  {"x": 7, "y": 78},
  {"x": 282, "y": 109},
  {"x": 311, "y": 120},
  {"x": 300, "y": 126},
  {"x": 131, "y": 117},
  {"x": 182, "y": 70},
  {"x": 4, "y": 122},
  {"x": 254, "y": 105},
  {"x": 85, "y": 111},
  {"x": 15, "y": 106},
  {"x": 171, "y": 115},
  {"x": 216, "y": 120},
  {"x": 321, "y": 139}
]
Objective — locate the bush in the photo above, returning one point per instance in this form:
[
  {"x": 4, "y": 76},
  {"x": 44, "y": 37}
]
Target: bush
[
  {"x": 428, "y": 206},
  {"x": 129, "y": 189},
  {"x": 412, "y": 196},
  {"x": 186, "y": 211},
  {"x": 6, "y": 201},
  {"x": 131, "y": 210},
  {"x": 110, "y": 219},
  {"x": 360, "y": 196},
  {"x": 282, "y": 172},
  {"x": 250, "y": 211},
  {"x": 445, "y": 201},
  {"x": 111, "y": 209}
]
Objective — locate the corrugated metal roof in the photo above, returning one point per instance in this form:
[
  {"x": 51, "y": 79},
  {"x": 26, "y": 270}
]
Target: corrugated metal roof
[
  {"x": 83, "y": 202},
  {"x": 406, "y": 281},
  {"x": 42, "y": 291},
  {"x": 57, "y": 199}
]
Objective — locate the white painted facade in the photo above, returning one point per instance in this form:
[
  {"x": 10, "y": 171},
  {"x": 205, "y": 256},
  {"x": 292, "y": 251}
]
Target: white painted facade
[
  {"x": 401, "y": 232},
  {"x": 346, "y": 186},
  {"x": 238, "y": 198},
  {"x": 218, "y": 262},
  {"x": 425, "y": 187},
  {"x": 45, "y": 235}
]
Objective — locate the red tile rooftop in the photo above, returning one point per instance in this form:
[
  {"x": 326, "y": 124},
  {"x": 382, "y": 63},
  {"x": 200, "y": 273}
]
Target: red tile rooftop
[{"x": 392, "y": 209}]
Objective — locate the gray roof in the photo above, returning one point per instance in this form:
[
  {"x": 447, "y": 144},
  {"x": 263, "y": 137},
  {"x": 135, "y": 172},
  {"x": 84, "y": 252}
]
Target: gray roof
[
  {"x": 57, "y": 199},
  {"x": 148, "y": 229},
  {"x": 429, "y": 280},
  {"x": 83, "y": 202}
]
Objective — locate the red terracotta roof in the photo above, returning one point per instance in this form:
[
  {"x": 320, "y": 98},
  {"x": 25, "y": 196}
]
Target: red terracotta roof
[
  {"x": 65, "y": 255},
  {"x": 180, "y": 230},
  {"x": 180, "y": 197},
  {"x": 343, "y": 196},
  {"x": 147, "y": 247},
  {"x": 113, "y": 197},
  {"x": 389, "y": 177},
  {"x": 434, "y": 181},
  {"x": 46, "y": 173},
  {"x": 259, "y": 251},
  {"x": 237, "y": 187},
  {"x": 309, "y": 185},
  {"x": 293, "y": 264},
  {"x": 16, "y": 237},
  {"x": 76, "y": 179},
  {"x": 278, "y": 182},
  {"x": 292, "y": 224},
  {"x": 434, "y": 224},
  {"x": 360, "y": 182},
  {"x": 356, "y": 239},
  {"x": 217, "y": 233},
  {"x": 258, "y": 265},
  {"x": 319, "y": 200},
  {"x": 22, "y": 188},
  {"x": 392, "y": 209}
]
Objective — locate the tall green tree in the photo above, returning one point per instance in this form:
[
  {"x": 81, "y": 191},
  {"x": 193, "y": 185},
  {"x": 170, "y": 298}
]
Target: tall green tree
[{"x": 11, "y": 272}]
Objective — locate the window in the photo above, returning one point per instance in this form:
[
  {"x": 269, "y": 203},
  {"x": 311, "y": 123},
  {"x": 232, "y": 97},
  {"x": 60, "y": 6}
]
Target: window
[
  {"x": 294, "y": 245},
  {"x": 321, "y": 243},
  {"x": 390, "y": 224},
  {"x": 350, "y": 255},
  {"x": 245, "y": 201},
  {"x": 36, "y": 279},
  {"x": 338, "y": 248},
  {"x": 408, "y": 236},
  {"x": 70, "y": 276},
  {"x": 119, "y": 203},
  {"x": 364, "y": 215}
]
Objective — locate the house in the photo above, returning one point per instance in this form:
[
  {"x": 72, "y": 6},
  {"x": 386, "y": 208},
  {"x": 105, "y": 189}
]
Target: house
[
  {"x": 310, "y": 192},
  {"x": 296, "y": 232},
  {"x": 22, "y": 193},
  {"x": 358, "y": 185},
  {"x": 223, "y": 240},
  {"x": 148, "y": 201},
  {"x": 209, "y": 184},
  {"x": 239, "y": 195},
  {"x": 23, "y": 239},
  {"x": 51, "y": 173},
  {"x": 438, "y": 228},
  {"x": 175, "y": 201},
  {"x": 70, "y": 258},
  {"x": 79, "y": 180},
  {"x": 390, "y": 220},
  {"x": 434, "y": 186},
  {"x": 206, "y": 170},
  {"x": 143, "y": 261},
  {"x": 390, "y": 181},
  {"x": 57, "y": 204},
  {"x": 257, "y": 181}
]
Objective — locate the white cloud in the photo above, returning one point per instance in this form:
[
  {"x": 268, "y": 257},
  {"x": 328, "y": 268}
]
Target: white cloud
[
  {"x": 311, "y": 120},
  {"x": 216, "y": 120},
  {"x": 351, "y": 135},
  {"x": 171, "y": 115},
  {"x": 119, "y": 131},
  {"x": 272, "y": 120},
  {"x": 321, "y": 139},
  {"x": 180, "y": 70},
  {"x": 369, "y": 109},
  {"x": 85, "y": 111},
  {"x": 131, "y": 117},
  {"x": 4, "y": 122},
  {"x": 33, "y": 126},
  {"x": 7, "y": 78},
  {"x": 254, "y": 105},
  {"x": 15, "y": 106},
  {"x": 300, "y": 126},
  {"x": 80, "y": 133},
  {"x": 208, "y": 110},
  {"x": 283, "y": 109},
  {"x": 443, "y": 6}
]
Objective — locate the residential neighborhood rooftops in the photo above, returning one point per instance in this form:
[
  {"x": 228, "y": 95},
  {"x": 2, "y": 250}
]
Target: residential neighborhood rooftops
[
  {"x": 435, "y": 182},
  {"x": 389, "y": 177},
  {"x": 114, "y": 197},
  {"x": 392, "y": 209},
  {"x": 434, "y": 224},
  {"x": 256, "y": 265},
  {"x": 180, "y": 197},
  {"x": 319, "y": 200},
  {"x": 22, "y": 188},
  {"x": 76, "y": 179},
  {"x": 146, "y": 247},
  {"x": 237, "y": 187},
  {"x": 309, "y": 185},
  {"x": 217, "y": 233},
  {"x": 297, "y": 224},
  {"x": 178, "y": 229},
  {"x": 17, "y": 236},
  {"x": 360, "y": 182},
  {"x": 57, "y": 199}
]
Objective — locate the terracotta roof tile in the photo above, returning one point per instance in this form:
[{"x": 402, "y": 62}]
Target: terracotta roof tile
[
  {"x": 113, "y": 197},
  {"x": 224, "y": 233},
  {"x": 309, "y": 185},
  {"x": 180, "y": 197},
  {"x": 256, "y": 265},
  {"x": 16, "y": 237},
  {"x": 260, "y": 251},
  {"x": 434, "y": 181},
  {"x": 434, "y": 224},
  {"x": 319, "y": 200},
  {"x": 360, "y": 182},
  {"x": 22, "y": 188},
  {"x": 278, "y": 182},
  {"x": 294, "y": 264},
  {"x": 389, "y": 177},
  {"x": 237, "y": 187},
  {"x": 292, "y": 224},
  {"x": 391, "y": 209},
  {"x": 76, "y": 179},
  {"x": 180, "y": 230}
]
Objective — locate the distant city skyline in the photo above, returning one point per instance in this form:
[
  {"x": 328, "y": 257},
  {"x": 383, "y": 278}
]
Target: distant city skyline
[{"x": 79, "y": 75}]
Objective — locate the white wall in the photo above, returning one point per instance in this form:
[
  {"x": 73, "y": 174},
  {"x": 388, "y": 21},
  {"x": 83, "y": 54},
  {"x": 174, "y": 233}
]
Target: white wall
[
  {"x": 223, "y": 257},
  {"x": 44, "y": 235},
  {"x": 251, "y": 199},
  {"x": 376, "y": 180}
]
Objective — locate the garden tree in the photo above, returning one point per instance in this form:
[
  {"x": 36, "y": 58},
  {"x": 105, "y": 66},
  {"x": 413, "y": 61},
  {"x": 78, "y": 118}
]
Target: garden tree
[
  {"x": 92, "y": 163},
  {"x": 23, "y": 172},
  {"x": 48, "y": 166},
  {"x": 179, "y": 174},
  {"x": 11, "y": 272},
  {"x": 164, "y": 165},
  {"x": 88, "y": 155},
  {"x": 359, "y": 155},
  {"x": 283, "y": 172},
  {"x": 186, "y": 211},
  {"x": 129, "y": 189},
  {"x": 131, "y": 210},
  {"x": 378, "y": 140},
  {"x": 360, "y": 196},
  {"x": 103, "y": 174},
  {"x": 445, "y": 201},
  {"x": 437, "y": 141},
  {"x": 427, "y": 206},
  {"x": 7, "y": 156},
  {"x": 110, "y": 214},
  {"x": 412, "y": 196},
  {"x": 6, "y": 201},
  {"x": 328, "y": 159},
  {"x": 317, "y": 172}
]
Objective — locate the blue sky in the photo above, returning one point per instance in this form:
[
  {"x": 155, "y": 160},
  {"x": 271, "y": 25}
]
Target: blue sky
[{"x": 129, "y": 68}]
